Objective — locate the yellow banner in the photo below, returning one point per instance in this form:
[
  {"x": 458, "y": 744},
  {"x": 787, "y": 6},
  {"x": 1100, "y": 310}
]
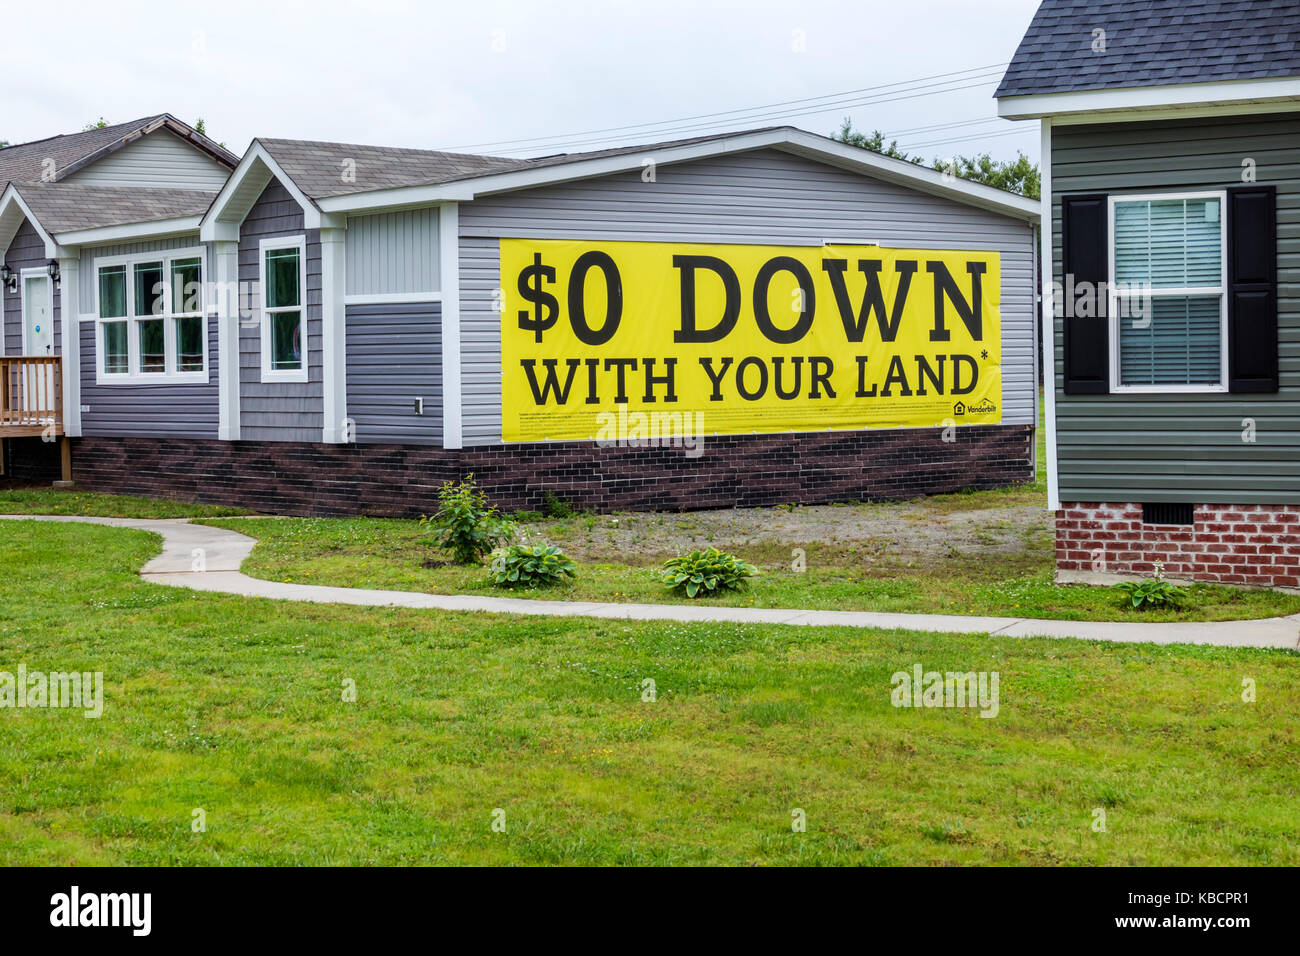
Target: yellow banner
[{"x": 692, "y": 338}]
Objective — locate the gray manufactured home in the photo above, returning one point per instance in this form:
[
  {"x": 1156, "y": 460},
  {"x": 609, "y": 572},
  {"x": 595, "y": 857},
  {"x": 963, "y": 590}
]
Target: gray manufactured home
[
  {"x": 1171, "y": 181},
  {"x": 748, "y": 318}
]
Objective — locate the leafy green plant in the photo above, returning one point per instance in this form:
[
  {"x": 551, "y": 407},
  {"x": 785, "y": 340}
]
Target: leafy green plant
[
  {"x": 465, "y": 524},
  {"x": 531, "y": 566},
  {"x": 553, "y": 506},
  {"x": 706, "y": 572},
  {"x": 1151, "y": 592}
]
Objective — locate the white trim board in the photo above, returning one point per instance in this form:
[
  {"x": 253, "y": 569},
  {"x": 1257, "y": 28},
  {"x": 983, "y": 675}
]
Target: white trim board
[
  {"x": 269, "y": 374},
  {"x": 391, "y": 298},
  {"x": 1269, "y": 94},
  {"x": 1048, "y": 334}
]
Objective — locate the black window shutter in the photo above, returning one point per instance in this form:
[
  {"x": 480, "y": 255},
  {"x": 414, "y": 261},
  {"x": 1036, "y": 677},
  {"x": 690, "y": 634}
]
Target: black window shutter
[
  {"x": 1252, "y": 289},
  {"x": 1085, "y": 239}
]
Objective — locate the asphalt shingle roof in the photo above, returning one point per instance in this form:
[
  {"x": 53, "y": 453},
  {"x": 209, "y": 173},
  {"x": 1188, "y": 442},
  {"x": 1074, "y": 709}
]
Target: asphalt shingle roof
[
  {"x": 1153, "y": 43},
  {"x": 67, "y": 207},
  {"x": 316, "y": 168}
]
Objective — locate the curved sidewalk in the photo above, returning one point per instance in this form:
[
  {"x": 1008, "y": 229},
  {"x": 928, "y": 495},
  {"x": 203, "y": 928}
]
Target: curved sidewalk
[{"x": 222, "y": 552}]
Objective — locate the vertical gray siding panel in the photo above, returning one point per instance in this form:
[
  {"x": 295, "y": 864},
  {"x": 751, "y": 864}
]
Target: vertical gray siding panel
[
  {"x": 766, "y": 196},
  {"x": 393, "y": 252},
  {"x": 165, "y": 410},
  {"x": 394, "y": 356},
  {"x": 278, "y": 411},
  {"x": 1185, "y": 447}
]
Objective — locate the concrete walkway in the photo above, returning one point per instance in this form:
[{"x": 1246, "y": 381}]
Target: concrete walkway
[{"x": 208, "y": 559}]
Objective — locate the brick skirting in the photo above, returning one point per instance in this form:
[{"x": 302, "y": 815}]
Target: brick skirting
[
  {"x": 403, "y": 480},
  {"x": 1231, "y": 544}
]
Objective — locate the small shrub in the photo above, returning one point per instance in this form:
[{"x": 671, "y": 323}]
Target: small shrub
[
  {"x": 465, "y": 524},
  {"x": 531, "y": 566},
  {"x": 1152, "y": 592},
  {"x": 706, "y": 572},
  {"x": 553, "y": 506}
]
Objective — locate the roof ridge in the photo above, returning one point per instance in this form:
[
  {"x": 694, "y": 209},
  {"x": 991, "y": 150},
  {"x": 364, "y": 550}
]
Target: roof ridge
[{"x": 133, "y": 124}]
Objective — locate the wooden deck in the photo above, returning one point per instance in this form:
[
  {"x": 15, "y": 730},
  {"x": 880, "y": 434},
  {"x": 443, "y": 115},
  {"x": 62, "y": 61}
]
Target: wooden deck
[{"x": 31, "y": 396}]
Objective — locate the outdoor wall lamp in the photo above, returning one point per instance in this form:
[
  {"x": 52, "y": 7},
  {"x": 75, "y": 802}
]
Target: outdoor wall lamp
[
  {"x": 54, "y": 270},
  {"x": 8, "y": 278}
]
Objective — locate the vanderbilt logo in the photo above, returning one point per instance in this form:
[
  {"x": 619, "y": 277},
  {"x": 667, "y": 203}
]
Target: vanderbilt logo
[{"x": 983, "y": 408}]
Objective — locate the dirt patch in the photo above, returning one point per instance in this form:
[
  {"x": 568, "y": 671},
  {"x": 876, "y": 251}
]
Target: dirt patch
[{"x": 905, "y": 533}]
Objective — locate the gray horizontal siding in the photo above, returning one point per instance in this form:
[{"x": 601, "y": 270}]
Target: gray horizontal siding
[
  {"x": 765, "y": 196},
  {"x": 139, "y": 410},
  {"x": 394, "y": 356},
  {"x": 159, "y": 160},
  {"x": 394, "y": 252},
  {"x": 1181, "y": 447},
  {"x": 148, "y": 411},
  {"x": 278, "y": 411}
]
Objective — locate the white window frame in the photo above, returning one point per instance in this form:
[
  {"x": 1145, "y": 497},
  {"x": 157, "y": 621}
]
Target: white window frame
[
  {"x": 270, "y": 374},
  {"x": 1221, "y": 290},
  {"x": 133, "y": 375}
]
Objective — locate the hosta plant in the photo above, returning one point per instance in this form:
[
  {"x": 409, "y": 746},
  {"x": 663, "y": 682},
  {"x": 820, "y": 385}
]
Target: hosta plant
[
  {"x": 1151, "y": 592},
  {"x": 531, "y": 566},
  {"x": 706, "y": 572}
]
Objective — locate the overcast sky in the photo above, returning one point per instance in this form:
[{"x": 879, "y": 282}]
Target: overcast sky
[{"x": 485, "y": 75}]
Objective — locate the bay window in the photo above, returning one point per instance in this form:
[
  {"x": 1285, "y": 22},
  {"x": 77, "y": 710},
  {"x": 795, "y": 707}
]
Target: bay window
[{"x": 151, "y": 328}]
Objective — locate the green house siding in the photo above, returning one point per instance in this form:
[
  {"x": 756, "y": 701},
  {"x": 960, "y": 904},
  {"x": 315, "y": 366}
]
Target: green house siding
[{"x": 1185, "y": 447}]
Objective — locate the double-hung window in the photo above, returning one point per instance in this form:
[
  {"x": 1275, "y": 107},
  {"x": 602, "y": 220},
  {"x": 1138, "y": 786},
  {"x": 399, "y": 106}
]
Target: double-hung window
[
  {"x": 151, "y": 318},
  {"x": 284, "y": 313},
  {"x": 1168, "y": 293}
]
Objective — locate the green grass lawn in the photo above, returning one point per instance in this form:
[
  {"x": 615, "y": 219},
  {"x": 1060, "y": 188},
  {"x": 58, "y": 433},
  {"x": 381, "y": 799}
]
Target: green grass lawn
[
  {"x": 234, "y": 706},
  {"x": 393, "y": 554},
  {"x": 56, "y": 501}
]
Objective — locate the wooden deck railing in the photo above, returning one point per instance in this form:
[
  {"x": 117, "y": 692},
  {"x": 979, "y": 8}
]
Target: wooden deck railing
[{"x": 31, "y": 395}]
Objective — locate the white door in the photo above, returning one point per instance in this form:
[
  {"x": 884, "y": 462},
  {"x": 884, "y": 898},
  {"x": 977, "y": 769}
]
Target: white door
[{"x": 38, "y": 339}]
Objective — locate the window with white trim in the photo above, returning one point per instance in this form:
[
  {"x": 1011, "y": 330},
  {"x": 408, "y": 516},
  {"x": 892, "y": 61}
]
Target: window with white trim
[
  {"x": 151, "y": 321},
  {"x": 1168, "y": 293},
  {"x": 284, "y": 314}
]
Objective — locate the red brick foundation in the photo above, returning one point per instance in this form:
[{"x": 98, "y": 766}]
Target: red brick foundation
[
  {"x": 1231, "y": 544},
  {"x": 403, "y": 480}
]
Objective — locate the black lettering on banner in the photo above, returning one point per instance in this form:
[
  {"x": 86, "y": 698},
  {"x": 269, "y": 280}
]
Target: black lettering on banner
[
  {"x": 945, "y": 287},
  {"x": 552, "y": 384},
  {"x": 873, "y": 297},
  {"x": 716, "y": 377},
  {"x": 593, "y": 394},
  {"x": 530, "y": 287},
  {"x": 622, "y": 364},
  {"x": 651, "y": 380},
  {"x": 689, "y": 331},
  {"x": 793, "y": 391},
  {"x": 924, "y": 371},
  {"x": 895, "y": 376},
  {"x": 957, "y": 362},
  {"x": 595, "y": 259},
  {"x": 862, "y": 380},
  {"x": 808, "y": 300},
  {"x": 821, "y": 379},
  {"x": 751, "y": 362}
]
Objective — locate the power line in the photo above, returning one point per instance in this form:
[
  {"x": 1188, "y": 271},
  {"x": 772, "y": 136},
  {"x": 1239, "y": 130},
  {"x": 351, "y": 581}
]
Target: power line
[
  {"x": 965, "y": 139},
  {"x": 702, "y": 128},
  {"x": 871, "y": 91}
]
